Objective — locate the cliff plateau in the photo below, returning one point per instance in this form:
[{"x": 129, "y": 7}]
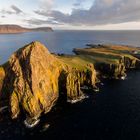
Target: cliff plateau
[{"x": 111, "y": 61}]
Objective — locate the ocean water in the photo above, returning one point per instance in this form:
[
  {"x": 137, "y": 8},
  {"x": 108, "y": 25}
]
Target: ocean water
[
  {"x": 65, "y": 41},
  {"x": 111, "y": 114}
]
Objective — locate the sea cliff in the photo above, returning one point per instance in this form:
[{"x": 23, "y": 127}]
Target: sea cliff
[
  {"x": 9, "y": 29},
  {"x": 33, "y": 79},
  {"x": 111, "y": 61}
]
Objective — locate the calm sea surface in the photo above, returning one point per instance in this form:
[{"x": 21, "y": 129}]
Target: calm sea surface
[
  {"x": 65, "y": 41},
  {"x": 111, "y": 114}
]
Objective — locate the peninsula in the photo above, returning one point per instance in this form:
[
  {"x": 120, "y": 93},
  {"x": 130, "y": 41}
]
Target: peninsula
[
  {"x": 33, "y": 79},
  {"x": 9, "y": 29}
]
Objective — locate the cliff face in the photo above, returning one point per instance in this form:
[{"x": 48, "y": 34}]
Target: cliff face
[
  {"x": 115, "y": 71},
  {"x": 72, "y": 79},
  {"x": 111, "y": 61},
  {"x": 33, "y": 78},
  {"x": 2, "y": 76},
  {"x": 11, "y": 29},
  {"x": 5, "y": 29},
  {"x": 42, "y": 29}
]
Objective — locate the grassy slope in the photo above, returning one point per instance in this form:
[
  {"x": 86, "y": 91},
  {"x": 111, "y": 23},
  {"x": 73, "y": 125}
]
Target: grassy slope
[
  {"x": 75, "y": 61},
  {"x": 107, "y": 53}
]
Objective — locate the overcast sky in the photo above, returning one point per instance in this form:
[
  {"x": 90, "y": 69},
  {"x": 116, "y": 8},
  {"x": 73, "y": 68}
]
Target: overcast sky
[{"x": 72, "y": 14}]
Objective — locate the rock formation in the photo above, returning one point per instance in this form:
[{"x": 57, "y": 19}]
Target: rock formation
[
  {"x": 2, "y": 76},
  {"x": 112, "y": 61},
  {"x": 33, "y": 79},
  {"x": 6, "y": 29}
]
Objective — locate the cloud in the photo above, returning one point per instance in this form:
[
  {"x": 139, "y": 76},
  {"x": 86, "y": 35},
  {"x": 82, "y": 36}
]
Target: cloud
[
  {"x": 100, "y": 13},
  {"x": 3, "y": 11},
  {"x": 36, "y": 21},
  {"x": 11, "y": 10},
  {"x": 46, "y": 4},
  {"x": 3, "y": 16},
  {"x": 78, "y": 3},
  {"x": 16, "y": 9}
]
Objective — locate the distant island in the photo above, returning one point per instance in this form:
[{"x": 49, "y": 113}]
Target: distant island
[
  {"x": 33, "y": 79},
  {"x": 8, "y": 29}
]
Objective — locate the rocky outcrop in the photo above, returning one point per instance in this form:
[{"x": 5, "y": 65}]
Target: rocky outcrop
[
  {"x": 72, "y": 79},
  {"x": 131, "y": 62},
  {"x": 115, "y": 71},
  {"x": 5, "y": 29},
  {"x": 2, "y": 76},
  {"x": 111, "y": 61},
  {"x": 33, "y": 79}
]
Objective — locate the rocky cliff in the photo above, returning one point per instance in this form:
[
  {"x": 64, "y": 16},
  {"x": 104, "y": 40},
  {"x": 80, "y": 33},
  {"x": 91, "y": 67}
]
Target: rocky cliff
[
  {"x": 33, "y": 79},
  {"x": 5, "y": 29},
  {"x": 2, "y": 76},
  {"x": 111, "y": 61}
]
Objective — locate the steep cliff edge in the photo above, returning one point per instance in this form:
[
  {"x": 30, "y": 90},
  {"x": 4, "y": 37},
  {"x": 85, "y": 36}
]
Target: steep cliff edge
[
  {"x": 33, "y": 78},
  {"x": 111, "y": 61},
  {"x": 2, "y": 76},
  {"x": 7, "y": 29}
]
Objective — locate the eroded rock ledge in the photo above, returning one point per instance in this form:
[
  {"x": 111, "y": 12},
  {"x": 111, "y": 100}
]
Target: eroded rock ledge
[{"x": 33, "y": 79}]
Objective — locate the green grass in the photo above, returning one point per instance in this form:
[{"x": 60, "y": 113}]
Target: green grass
[
  {"x": 107, "y": 53},
  {"x": 75, "y": 61}
]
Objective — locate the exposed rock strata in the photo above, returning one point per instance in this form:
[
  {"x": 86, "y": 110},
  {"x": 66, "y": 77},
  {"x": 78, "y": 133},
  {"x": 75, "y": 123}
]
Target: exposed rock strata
[
  {"x": 2, "y": 76},
  {"x": 33, "y": 79}
]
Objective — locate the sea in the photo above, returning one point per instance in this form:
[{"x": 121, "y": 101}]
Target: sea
[{"x": 113, "y": 113}]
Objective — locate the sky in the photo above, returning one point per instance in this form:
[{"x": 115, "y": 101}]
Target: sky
[{"x": 72, "y": 14}]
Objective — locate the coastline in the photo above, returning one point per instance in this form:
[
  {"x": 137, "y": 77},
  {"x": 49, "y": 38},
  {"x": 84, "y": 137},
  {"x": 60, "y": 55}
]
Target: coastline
[
  {"x": 66, "y": 75},
  {"x": 16, "y": 29}
]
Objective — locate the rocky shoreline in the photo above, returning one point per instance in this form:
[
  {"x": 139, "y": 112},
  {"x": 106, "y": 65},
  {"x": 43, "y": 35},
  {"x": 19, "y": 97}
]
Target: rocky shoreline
[{"x": 33, "y": 79}]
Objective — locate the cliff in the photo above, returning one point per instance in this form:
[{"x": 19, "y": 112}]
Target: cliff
[
  {"x": 33, "y": 79},
  {"x": 111, "y": 61},
  {"x": 5, "y": 29},
  {"x": 2, "y": 76},
  {"x": 41, "y": 29}
]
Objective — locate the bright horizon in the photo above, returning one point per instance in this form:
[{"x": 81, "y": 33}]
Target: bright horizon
[{"x": 72, "y": 15}]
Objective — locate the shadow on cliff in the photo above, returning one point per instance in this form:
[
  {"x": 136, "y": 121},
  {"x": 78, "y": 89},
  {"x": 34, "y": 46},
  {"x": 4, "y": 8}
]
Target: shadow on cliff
[{"x": 62, "y": 87}]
